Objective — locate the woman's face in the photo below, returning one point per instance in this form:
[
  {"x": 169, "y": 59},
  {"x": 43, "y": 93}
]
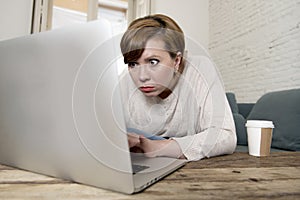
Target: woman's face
[{"x": 153, "y": 73}]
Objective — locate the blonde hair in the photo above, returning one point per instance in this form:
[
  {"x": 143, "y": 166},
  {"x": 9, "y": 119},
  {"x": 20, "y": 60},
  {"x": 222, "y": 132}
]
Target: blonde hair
[{"x": 142, "y": 29}]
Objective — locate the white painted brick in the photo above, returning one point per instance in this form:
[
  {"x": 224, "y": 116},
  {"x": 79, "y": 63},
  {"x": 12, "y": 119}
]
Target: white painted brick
[{"x": 256, "y": 45}]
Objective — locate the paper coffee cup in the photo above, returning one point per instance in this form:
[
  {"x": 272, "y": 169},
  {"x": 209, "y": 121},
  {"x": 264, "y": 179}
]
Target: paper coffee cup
[{"x": 259, "y": 134}]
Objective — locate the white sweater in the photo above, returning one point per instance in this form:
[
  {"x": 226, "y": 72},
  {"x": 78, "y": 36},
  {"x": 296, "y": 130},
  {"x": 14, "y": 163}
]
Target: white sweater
[{"x": 196, "y": 114}]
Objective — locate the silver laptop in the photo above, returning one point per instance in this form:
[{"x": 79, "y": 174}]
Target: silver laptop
[{"x": 61, "y": 112}]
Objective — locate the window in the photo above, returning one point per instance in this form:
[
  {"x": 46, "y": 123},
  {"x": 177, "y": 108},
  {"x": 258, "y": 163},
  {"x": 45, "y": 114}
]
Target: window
[{"x": 51, "y": 14}]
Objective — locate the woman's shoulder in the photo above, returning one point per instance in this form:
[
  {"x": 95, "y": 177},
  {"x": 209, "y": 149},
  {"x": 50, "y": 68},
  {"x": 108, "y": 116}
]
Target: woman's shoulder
[
  {"x": 197, "y": 65},
  {"x": 203, "y": 66},
  {"x": 198, "y": 60},
  {"x": 200, "y": 72}
]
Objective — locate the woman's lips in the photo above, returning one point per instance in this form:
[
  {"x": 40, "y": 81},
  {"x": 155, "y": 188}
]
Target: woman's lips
[{"x": 147, "y": 89}]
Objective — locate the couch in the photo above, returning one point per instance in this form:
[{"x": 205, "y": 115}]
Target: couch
[{"x": 281, "y": 107}]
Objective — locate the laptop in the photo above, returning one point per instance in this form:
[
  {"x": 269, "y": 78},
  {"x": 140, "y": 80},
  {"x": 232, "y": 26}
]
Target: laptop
[{"x": 61, "y": 110}]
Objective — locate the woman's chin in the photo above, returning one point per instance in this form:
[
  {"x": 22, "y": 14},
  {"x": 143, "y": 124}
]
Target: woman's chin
[{"x": 150, "y": 94}]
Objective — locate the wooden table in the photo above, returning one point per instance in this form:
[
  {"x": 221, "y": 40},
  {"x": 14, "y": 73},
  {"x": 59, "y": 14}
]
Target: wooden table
[{"x": 236, "y": 176}]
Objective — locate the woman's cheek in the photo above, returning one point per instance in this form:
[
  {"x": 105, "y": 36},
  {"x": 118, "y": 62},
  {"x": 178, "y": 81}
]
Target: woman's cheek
[{"x": 164, "y": 76}]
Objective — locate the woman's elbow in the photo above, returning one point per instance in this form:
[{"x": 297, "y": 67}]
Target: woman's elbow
[{"x": 231, "y": 141}]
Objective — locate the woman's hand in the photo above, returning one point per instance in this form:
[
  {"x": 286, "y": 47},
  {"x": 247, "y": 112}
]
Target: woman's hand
[
  {"x": 133, "y": 140},
  {"x": 154, "y": 148}
]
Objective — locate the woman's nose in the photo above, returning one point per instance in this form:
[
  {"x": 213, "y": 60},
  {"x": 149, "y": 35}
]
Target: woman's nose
[{"x": 144, "y": 73}]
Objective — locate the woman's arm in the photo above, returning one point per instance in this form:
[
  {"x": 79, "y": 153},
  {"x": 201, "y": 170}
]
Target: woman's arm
[
  {"x": 156, "y": 148},
  {"x": 217, "y": 134},
  {"x": 190, "y": 147}
]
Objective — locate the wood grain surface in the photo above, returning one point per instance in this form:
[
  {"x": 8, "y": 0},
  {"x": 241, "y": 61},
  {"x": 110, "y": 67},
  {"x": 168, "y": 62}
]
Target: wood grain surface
[{"x": 236, "y": 176}]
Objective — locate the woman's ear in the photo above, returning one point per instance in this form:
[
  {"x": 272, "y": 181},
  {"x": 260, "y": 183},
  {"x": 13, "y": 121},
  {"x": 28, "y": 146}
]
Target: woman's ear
[{"x": 178, "y": 59}]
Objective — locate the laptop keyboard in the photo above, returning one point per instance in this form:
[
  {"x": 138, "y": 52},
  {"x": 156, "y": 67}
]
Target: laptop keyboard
[{"x": 137, "y": 168}]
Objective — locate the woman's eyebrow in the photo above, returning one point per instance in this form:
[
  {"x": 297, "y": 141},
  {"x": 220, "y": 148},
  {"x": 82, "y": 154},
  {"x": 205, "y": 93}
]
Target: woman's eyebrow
[{"x": 152, "y": 57}]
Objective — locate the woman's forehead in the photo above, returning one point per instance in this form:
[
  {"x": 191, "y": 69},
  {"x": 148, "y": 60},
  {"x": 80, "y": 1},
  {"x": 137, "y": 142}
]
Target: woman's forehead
[{"x": 155, "y": 44}]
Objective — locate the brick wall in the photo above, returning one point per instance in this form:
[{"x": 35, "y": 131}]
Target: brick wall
[{"x": 256, "y": 45}]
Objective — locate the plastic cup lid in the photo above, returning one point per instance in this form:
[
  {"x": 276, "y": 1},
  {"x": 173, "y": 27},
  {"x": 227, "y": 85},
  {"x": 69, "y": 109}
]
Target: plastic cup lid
[{"x": 260, "y": 123}]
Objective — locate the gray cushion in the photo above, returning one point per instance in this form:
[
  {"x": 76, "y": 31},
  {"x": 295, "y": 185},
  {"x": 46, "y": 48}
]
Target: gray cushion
[
  {"x": 241, "y": 133},
  {"x": 283, "y": 108},
  {"x": 239, "y": 120},
  {"x": 245, "y": 108},
  {"x": 232, "y": 102}
]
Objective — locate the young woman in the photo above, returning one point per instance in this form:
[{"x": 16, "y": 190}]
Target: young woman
[{"x": 175, "y": 105}]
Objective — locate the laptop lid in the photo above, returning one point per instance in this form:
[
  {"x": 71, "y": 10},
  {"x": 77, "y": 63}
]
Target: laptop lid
[{"x": 57, "y": 93}]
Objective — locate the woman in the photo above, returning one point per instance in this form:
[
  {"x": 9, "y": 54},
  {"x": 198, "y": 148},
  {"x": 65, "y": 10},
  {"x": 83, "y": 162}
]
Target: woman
[{"x": 175, "y": 105}]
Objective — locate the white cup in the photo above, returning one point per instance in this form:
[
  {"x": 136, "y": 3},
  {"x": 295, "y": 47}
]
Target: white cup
[{"x": 259, "y": 134}]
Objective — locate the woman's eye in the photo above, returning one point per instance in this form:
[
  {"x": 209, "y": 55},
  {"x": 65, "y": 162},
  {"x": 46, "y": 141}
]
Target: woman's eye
[
  {"x": 132, "y": 64},
  {"x": 153, "y": 61}
]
